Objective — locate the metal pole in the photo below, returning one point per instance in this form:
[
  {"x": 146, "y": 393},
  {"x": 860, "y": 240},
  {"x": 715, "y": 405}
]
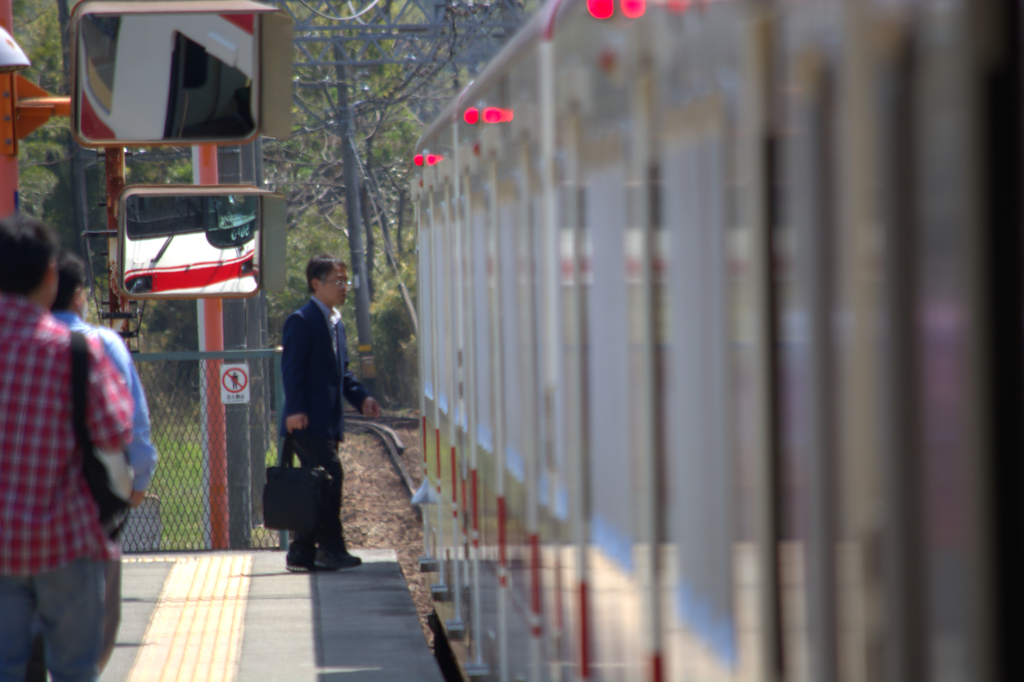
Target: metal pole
[
  {"x": 477, "y": 667},
  {"x": 114, "y": 166},
  {"x": 439, "y": 589},
  {"x": 279, "y": 410},
  {"x": 230, "y": 170},
  {"x": 498, "y": 400},
  {"x": 350, "y": 164},
  {"x": 550, "y": 308},
  {"x": 453, "y": 251},
  {"x": 211, "y": 338},
  {"x": 260, "y": 424},
  {"x": 8, "y": 163},
  {"x": 423, "y": 286},
  {"x": 237, "y": 443}
]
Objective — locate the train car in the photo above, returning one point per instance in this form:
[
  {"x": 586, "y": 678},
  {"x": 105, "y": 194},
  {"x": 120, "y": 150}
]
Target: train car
[
  {"x": 721, "y": 344},
  {"x": 197, "y": 80},
  {"x": 178, "y": 246}
]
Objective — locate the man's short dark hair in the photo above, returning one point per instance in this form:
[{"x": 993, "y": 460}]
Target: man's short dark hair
[
  {"x": 27, "y": 247},
  {"x": 72, "y": 274},
  {"x": 320, "y": 267}
]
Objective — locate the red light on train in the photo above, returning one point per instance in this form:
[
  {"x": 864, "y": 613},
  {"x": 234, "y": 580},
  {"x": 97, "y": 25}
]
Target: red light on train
[
  {"x": 433, "y": 159},
  {"x": 633, "y": 8},
  {"x": 600, "y": 9},
  {"x": 472, "y": 115},
  {"x": 418, "y": 159},
  {"x": 497, "y": 115}
]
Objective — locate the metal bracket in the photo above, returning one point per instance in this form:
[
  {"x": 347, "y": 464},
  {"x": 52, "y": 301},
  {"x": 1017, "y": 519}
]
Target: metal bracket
[
  {"x": 477, "y": 671},
  {"x": 428, "y": 565},
  {"x": 456, "y": 628},
  {"x": 440, "y": 592}
]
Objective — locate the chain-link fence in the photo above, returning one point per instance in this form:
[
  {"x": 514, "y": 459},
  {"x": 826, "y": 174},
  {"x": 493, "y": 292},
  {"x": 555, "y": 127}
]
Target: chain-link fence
[{"x": 214, "y": 425}]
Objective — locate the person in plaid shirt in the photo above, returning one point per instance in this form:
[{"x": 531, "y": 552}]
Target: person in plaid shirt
[{"x": 53, "y": 550}]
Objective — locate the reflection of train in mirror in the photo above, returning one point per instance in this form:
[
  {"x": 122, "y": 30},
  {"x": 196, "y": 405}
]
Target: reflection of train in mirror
[
  {"x": 187, "y": 244},
  {"x": 721, "y": 345},
  {"x": 200, "y": 86}
]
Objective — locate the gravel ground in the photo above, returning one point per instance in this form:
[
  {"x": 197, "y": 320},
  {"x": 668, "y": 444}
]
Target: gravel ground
[{"x": 376, "y": 512}]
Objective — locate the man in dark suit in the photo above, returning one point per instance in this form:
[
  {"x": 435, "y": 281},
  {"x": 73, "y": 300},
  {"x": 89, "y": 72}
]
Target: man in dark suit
[{"x": 316, "y": 376}]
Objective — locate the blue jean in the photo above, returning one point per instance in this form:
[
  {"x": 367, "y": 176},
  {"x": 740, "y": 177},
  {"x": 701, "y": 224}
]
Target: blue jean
[{"x": 69, "y": 600}]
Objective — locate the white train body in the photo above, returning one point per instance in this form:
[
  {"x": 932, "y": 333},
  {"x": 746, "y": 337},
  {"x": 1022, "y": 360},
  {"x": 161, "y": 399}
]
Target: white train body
[{"x": 710, "y": 345}]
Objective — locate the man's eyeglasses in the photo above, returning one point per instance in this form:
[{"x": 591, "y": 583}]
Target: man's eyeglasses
[{"x": 341, "y": 283}]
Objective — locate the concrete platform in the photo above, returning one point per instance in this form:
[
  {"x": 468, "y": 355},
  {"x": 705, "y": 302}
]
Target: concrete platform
[{"x": 242, "y": 616}]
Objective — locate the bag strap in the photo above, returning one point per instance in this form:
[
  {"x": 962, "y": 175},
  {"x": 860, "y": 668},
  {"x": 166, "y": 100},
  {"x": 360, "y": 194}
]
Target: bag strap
[
  {"x": 285, "y": 453},
  {"x": 79, "y": 386},
  {"x": 79, "y": 383}
]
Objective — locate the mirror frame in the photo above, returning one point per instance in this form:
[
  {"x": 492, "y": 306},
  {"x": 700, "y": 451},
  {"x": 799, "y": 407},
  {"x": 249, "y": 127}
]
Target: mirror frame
[
  {"x": 269, "y": 249},
  {"x": 273, "y": 34}
]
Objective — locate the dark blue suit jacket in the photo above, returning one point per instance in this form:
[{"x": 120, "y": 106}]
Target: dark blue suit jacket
[{"x": 314, "y": 382}]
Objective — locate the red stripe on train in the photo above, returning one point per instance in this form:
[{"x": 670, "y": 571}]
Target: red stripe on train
[
  {"x": 193, "y": 278},
  {"x": 455, "y": 483},
  {"x": 501, "y": 531},
  {"x": 464, "y": 506},
  {"x": 584, "y": 633},
  {"x": 476, "y": 508},
  {"x": 242, "y": 21},
  {"x": 535, "y": 572},
  {"x": 559, "y": 618}
]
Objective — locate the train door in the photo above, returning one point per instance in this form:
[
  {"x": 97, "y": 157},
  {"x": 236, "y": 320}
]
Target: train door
[
  {"x": 955, "y": 251},
  {"x": 711, "y": 569},
  {"x": 807, "y": 347}
]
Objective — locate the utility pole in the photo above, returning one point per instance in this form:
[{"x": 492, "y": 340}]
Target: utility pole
[
  {"x": 8, "y": 160},
  {"x": 245, "y": 323},
  {"x": 353, "y": 210}
]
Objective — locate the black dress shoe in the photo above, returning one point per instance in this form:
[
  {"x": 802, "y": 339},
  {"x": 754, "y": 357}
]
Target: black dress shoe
[
  {"x": 333, "y": 560},
  {"x": 299, "y": 563}
]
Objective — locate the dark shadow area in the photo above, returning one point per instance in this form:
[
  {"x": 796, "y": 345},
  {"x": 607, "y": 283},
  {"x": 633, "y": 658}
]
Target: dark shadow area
[{"x": 365, "y": 627}]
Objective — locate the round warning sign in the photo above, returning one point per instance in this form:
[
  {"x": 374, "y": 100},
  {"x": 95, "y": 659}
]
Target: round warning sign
[{"x": 234, "y": 383}]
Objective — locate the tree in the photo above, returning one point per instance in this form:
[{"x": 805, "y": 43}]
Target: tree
[{"x": 390, "y": 103}]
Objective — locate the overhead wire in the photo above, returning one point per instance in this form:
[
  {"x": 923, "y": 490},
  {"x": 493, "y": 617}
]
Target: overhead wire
[{"x": 333, "y": 18}]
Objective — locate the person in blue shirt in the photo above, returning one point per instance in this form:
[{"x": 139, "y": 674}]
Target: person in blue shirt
[{"x": 70, "y": 308}]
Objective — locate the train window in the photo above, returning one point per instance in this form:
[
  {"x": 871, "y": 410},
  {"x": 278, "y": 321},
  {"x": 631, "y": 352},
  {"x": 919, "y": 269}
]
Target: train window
[
  {"x": 207, "y": 98},
  {"x": 235, "y": 220},
  {"x": 228, "y": 220},
  {"x": 100, "y": 41}
]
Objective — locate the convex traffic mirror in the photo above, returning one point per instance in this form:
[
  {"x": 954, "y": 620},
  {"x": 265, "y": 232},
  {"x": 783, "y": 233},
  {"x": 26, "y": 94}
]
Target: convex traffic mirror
[
  {"x": 216, "y": 241},
  {"x": 150, "y": 73}
]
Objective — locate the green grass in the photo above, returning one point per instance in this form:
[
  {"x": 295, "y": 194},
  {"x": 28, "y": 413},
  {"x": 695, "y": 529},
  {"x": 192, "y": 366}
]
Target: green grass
[{"x": 178, "y": 483}]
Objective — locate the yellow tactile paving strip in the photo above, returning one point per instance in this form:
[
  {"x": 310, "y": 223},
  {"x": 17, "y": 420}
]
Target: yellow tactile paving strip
[{"x": 195, "y": 633}]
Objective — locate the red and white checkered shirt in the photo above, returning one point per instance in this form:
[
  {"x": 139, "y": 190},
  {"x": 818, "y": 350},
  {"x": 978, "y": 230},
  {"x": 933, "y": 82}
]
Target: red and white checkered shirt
[{"x": 48, "y": 517}]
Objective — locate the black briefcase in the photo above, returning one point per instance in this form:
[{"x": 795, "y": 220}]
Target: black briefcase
[{"x": 292, "y": 498}]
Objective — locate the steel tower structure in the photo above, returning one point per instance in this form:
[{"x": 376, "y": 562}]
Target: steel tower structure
[{"x": 407, "y": 32}]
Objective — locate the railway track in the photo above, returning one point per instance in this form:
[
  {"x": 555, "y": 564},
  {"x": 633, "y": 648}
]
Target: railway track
[{"x": 393, "y": 445}]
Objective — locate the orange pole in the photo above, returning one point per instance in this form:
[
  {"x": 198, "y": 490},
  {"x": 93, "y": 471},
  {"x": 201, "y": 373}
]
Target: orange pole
[
  {"x": 8, "y": 163},
  {"x": 211, "y": 311}
]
